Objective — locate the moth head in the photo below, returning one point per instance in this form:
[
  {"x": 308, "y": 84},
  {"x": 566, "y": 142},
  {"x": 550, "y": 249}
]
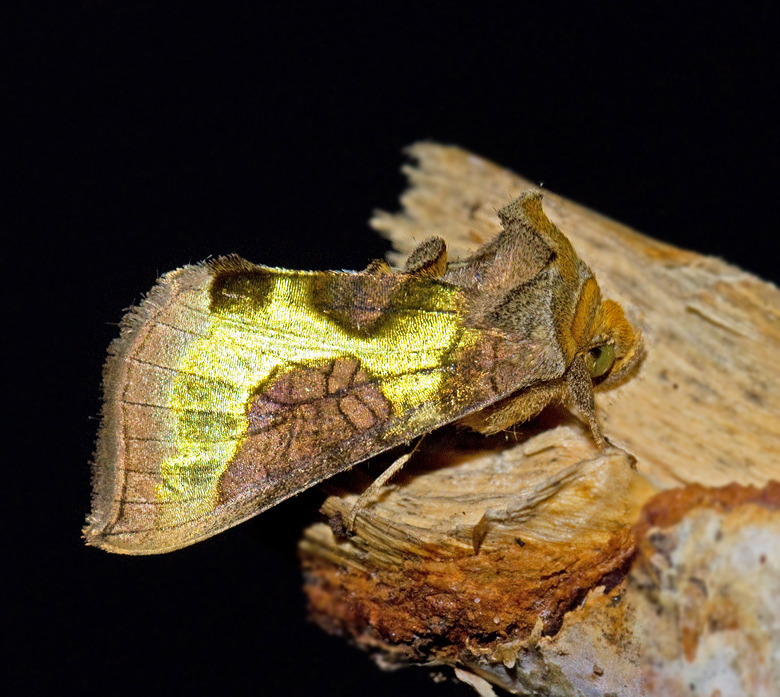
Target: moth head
[{"x": 616, "y": 348}]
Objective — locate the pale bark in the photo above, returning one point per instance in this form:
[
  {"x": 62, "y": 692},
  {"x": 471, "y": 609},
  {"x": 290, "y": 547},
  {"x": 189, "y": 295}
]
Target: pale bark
[{"x": 679, "y": 587}]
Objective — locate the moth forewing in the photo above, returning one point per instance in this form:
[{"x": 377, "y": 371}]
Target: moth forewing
[{"x": 234, "y": 386}]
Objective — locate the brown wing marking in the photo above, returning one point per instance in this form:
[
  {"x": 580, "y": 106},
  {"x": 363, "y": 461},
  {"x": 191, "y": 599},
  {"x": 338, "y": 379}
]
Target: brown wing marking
[
  {"x": 358, "y": 304},
  {"x": 299, "y": 415}
]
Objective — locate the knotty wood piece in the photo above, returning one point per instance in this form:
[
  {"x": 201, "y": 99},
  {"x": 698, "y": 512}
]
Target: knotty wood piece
[{"x": 552, "y": 603}]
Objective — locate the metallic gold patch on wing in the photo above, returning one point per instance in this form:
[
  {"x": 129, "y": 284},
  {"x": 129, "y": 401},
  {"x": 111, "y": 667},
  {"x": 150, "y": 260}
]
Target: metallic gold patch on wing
[{"x": 253, "y": 335}]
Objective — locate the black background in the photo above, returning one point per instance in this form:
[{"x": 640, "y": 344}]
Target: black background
[{"x": 145, "y": 139}]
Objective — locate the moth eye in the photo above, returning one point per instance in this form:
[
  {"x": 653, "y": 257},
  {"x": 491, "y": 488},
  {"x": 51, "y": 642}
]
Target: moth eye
[{"x": 600, "y": 359}]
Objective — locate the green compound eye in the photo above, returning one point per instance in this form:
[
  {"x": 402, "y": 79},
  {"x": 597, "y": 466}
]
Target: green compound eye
[{"x": 600, "y": 359}]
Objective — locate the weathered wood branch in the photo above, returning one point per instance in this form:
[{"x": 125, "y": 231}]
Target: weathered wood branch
[{"x": 595, "y": 577}]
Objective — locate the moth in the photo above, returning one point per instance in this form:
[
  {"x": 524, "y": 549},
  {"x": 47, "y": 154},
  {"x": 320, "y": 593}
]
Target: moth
[{"x": 233, "y": 386}]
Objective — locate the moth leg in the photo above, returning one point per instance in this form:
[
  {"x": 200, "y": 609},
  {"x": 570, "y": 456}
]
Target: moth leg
[
  {"x": 516, "y": 408},
  {"x": 372, "y": 492},
  {"x": 576, "y": 388},
  {"x": 429, "y": 258},
  {"x": 580, "y": 387}
]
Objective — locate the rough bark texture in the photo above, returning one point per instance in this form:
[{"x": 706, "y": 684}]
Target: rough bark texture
[{"x": 596, "y": 575}]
